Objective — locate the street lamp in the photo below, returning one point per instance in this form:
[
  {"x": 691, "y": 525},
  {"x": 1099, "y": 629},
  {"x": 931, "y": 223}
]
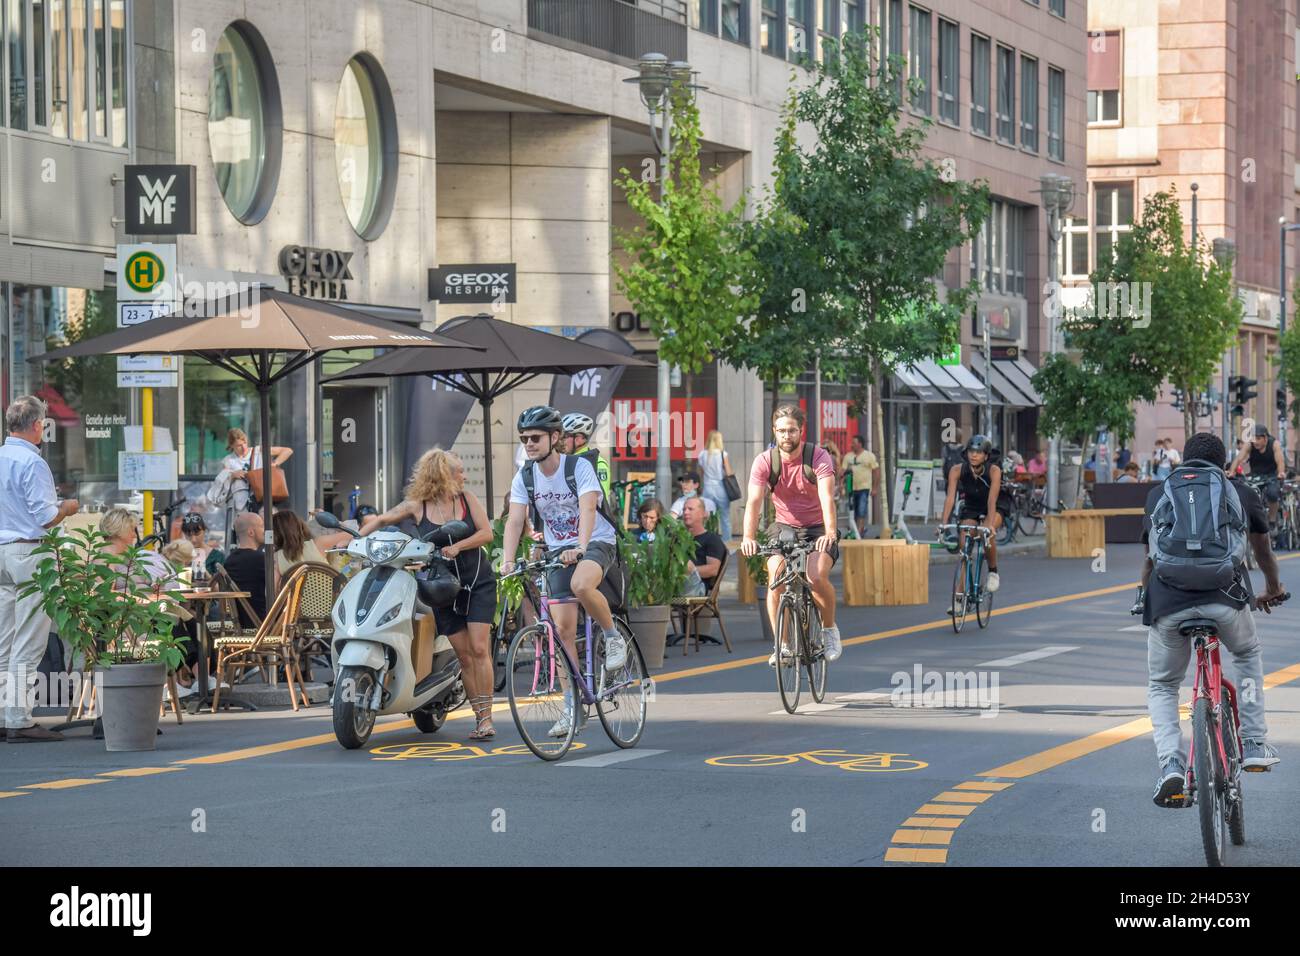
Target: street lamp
[
  {"x": 1225, "y": 251},
  {"x": 655, "y": 79},
  {"x": 1283, "y": 228},
  {"x": 1058, "y": 196}
]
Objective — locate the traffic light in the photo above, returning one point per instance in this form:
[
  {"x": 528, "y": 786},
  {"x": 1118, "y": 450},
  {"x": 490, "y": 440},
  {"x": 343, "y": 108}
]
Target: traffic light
[
  {"x": 1178, "y": 399},
  {"x": 1241, "y": 388},
  {"x": 1281, "y": 400}
]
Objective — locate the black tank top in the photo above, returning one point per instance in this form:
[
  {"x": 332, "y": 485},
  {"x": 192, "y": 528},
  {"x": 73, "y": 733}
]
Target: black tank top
[
  {"x": 972, "y": 487},
  {"x": 1263, "y": 462},
  {"x": 470, "y": 564}
]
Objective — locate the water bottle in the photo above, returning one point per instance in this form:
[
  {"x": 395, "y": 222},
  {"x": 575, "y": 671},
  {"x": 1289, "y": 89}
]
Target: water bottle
[{"x": 197, "y": 573}]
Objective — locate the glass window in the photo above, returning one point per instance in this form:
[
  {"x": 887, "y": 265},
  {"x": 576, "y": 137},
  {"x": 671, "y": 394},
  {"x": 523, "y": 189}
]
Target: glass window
[
  {"x": 1029, "y": 103},
  {"x": 828, "y": 26},
  {"x": 1016, "y": 250},
  {"x": 801, "y": 44},
  {"x": 918, "y": 61},
  {"x": 1105, "y": 76},
  {"x": 853, "y": 19},
  {"x": 59, "y": 67},
  {"x": 40, "y": 113},
  {"x": 1006, "y": 95},
  {"x": 771, "y": 36},
  {"x": 362, "y": 155},
  {"x": 979, "y": 84},
  {"x": 17, "y": 65},
  {"x": 1057, "y": 7},
  {"x": 77, "y": 107},
  {"x": 237, "y": 122},
  {"x": 1055, "y": 113},
  {"x": 1074, "y": 248},
  {"x": 735, "y": 21},
  {"x": 949, "y": 71},
  {"x": 99, "y": 37},
  {"x": 703, "y": 15},
  {"x": 1103, "y": 106},
  {"x": 117, "y": 34},
  {"x": 895, "y": 38},
  {"x": 1113, "y": 208}
]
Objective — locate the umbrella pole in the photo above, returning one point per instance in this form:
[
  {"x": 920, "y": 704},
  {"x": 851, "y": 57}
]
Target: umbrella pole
[
  {"x": 264, "y": 392},
  {"x": 491, "y": 504}
]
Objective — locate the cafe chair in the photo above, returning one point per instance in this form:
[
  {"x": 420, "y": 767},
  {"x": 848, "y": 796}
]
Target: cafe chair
[
  {"x": 269, "y": 648},
  {"x": 310, "y": 616},
  {"x": 690, "y": 609}
]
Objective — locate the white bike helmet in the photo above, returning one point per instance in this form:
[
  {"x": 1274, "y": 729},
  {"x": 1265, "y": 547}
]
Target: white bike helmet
[{"x": 576, "y": 423}]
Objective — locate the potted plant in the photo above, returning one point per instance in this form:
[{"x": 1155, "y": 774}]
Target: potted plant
[
  {"x": 100, "y": 603},
  {"x": 656, "y": 572},
  {"x": 755, "y": 567}
]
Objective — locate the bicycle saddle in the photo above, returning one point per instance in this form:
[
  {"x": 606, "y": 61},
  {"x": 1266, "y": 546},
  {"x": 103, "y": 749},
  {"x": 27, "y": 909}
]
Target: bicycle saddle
[{"x": 1196, "y": 624}]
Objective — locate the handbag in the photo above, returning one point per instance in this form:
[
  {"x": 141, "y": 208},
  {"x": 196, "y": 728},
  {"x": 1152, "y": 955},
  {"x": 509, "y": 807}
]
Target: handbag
[
  {"x": 279, "y": 487},
  {"x": 729, "y": 483}
]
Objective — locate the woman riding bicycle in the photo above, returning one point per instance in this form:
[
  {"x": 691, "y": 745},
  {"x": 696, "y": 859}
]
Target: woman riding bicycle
[{"x": 983, "y": 499}]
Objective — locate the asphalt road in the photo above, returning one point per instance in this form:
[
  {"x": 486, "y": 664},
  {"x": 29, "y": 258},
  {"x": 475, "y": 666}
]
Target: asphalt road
[{"x": 1053, "y": 766}]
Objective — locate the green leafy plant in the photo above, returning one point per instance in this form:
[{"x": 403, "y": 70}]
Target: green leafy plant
[
  {"x": 657, "y": 569},
  {"x": 756, "y": 564},
  {"x": 99, "y": 604},
  {"x": 509, "y": 590}
]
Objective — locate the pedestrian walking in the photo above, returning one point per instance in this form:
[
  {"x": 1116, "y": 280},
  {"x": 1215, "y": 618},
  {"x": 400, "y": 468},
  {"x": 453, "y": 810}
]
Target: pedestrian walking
[
  {"x": 715, "y": 466},
  {"x": 859, "y": 464},
  {"x": 28, "y": 508}
]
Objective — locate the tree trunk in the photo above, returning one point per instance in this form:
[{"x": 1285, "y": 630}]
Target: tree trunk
[
  {"x": 878, "y": 412},
  {"x": 1189, "y": 417},
  {"x": 1078, "y": 482}
]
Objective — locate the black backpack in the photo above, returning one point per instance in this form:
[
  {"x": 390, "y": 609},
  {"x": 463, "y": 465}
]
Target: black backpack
[{"x": 774, "y": 465}]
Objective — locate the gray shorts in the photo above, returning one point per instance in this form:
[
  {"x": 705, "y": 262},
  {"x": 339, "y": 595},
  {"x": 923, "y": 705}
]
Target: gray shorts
[{"x": 600, "y": 552}]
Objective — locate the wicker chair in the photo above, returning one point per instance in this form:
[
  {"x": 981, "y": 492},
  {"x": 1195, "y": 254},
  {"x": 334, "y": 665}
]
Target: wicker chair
[
  {"x": 691, "y": 609},
  {"x": 268, "y": 648},
  {"x": 310, "y": 616}
]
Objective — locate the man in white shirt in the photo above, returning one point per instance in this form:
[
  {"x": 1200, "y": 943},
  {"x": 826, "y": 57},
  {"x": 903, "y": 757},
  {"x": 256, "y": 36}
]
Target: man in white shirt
[
  {"x": 572, "y": 524},
  {"x": 690, "y": 483},
  {"x": 29, "y": 506}
]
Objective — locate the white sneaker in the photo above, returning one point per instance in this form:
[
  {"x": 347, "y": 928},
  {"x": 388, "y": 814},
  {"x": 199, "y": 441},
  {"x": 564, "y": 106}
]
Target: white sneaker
[
  {"x": 561, "y": 727},
  {"x": 787, "y": 658},
  {"x": 181, "y": 691},
  {"x": 994, "y": 583},
  {"x": 212, "y": 684},
  {"x": 831, "y": 648},
  {"x": 615, "y": 654}
]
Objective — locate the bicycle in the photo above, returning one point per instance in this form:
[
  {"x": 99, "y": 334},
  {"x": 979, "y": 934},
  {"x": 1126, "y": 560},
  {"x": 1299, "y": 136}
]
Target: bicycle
[
  {"x": 796, "y": 613},
  {"x": 1214, "y": 762},
  {"x": 1011, "y": 527},
  {"x": 1288, "y": 517},
  {"x": 162, "y": 521},
  {"x": 544, "y": 681},
  {"x": 968, "y": 590},
  {"x": 511, "y": 620}
]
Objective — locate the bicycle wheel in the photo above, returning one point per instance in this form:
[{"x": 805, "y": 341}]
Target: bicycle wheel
[
  {"x": 541, "y": 687},
  {"x": 501, "y": 646},
  {"x": 815, "y": 657},
  {"x": 1209, "y": 789},
  {"x": 787, "y": 668},
  {"x": 621, "y": 697},
  {"x": 958, "y": 607},
  {"x": 984, "y": 597},
  {"x": 1235, "y": 793}
]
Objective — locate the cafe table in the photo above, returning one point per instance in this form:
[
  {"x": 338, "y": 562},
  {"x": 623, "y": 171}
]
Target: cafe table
[{"x": 202, "y": 600}]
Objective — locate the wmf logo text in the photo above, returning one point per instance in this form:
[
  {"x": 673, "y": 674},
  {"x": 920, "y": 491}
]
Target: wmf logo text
[
  {"x": 76, "y": 909},
  {"x": 160, "y": 200}
]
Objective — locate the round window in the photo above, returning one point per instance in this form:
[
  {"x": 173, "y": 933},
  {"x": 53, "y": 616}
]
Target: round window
[
  {"x": 365, "y": 145},
  {"x": 244, "y": 122}
]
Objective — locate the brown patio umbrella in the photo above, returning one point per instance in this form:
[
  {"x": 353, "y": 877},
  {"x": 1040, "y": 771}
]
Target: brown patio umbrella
[
  {"x": 261, "y": 338},
  {"x": 497, "y": 356}
]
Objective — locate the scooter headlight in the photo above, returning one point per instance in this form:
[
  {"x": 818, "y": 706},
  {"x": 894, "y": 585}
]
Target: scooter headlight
[
  {"x": 389, "y": 615},
  {"x": 381, "y": 550}
]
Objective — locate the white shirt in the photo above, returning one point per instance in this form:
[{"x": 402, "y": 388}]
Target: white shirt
[
  {"x": 712, "y": 468},
  {"x": 557, "y": 504},
  {"x": 680, "y": 504},
  {"x": 28, "y": 501}
]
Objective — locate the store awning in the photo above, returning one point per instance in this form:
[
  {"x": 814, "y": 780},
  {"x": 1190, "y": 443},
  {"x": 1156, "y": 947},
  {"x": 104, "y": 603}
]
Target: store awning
[
  {"x": 973, "y": 386},
  {"x": 939, "y": 377},
  {"x": 1020, "y": 371},
  {"x": 925, "y": 390},
  {"x": 1001, "y": 384}
]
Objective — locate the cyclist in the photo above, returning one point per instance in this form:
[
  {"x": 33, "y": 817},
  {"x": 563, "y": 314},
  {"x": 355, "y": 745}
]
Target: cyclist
[
  {"x": 983, "y": 499},
  {"x": 578, "y": 429},
  {"x": 1264, "y": 456},
  {"x": 802, "y": 486},
  {"x": 565, "y": 493},
  {"x": 1165, "y": 605}
]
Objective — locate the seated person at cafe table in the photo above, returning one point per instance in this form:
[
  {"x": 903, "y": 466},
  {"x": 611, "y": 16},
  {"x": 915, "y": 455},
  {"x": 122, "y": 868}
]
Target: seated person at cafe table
[
  {"x": 118, "y": 526},
  {"x": 195, "y": 529},
  {"x": 246, "y": 563},
  {"x": 295, "y": 545},
  {"x": 709, "y": 550}
]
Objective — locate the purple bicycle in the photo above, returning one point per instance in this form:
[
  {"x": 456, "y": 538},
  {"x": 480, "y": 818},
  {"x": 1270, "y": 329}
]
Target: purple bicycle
[{"x": 550, "y": 694}]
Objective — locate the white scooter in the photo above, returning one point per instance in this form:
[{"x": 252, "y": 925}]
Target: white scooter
[{"x": 381, "y": 665}]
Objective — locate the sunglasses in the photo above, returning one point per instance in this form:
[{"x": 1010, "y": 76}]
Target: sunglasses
[{"x": 530, "y": 439}]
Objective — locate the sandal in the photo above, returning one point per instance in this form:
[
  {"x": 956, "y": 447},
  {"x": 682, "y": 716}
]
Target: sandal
[{"x": 482, "y": 707}]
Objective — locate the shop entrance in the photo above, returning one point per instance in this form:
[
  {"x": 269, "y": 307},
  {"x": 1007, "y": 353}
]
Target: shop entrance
[{"x": 354, "y": 429}]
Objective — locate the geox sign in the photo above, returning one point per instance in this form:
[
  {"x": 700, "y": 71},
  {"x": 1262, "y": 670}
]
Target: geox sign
[
  {"x": 160, "y": 200},
  {"x": 478, "y": 282},
  {"x": 318, "y": 273}
]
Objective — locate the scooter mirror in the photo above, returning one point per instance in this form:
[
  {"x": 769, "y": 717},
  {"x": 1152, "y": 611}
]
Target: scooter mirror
[
  {"x": 449, "y": 533},
  {"x": 327, "y": 520}
]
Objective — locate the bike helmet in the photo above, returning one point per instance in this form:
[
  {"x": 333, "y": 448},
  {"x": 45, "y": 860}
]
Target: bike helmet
[
  {"x": 365, "y": 511},
  {"x": 438, "y": 588},
  {"x": 193, "y": 522},
  {"x": 575, "y": 423},
  {"x": 979, "y": 443},
  {"x": 540, "y": 418}
]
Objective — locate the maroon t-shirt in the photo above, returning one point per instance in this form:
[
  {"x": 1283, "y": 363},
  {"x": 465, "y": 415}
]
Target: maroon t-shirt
[{"x": 796, "y": 499}]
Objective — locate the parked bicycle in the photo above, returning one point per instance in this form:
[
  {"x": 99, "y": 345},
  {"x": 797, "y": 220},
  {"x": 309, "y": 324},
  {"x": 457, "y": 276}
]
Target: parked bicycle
[
  {"x": 550, "y": 692},
  {"x": 1287, "y": 536},
  {"x": 969, "y": 590},
  {"x": 798, "y": 625},
  {"x": 162, "y": 520}
]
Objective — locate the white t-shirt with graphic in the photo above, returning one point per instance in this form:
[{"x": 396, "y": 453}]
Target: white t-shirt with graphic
[{"x": 557, "y": 504}]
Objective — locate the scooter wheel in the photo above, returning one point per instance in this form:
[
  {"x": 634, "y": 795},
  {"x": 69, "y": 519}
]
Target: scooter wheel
[
  {"x": 429, "y": 721},
  {"x": 353, "y": 722}
]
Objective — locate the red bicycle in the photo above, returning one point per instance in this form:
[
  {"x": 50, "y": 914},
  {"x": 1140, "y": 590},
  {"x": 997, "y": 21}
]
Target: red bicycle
[{"x": 1215, "y": 761}]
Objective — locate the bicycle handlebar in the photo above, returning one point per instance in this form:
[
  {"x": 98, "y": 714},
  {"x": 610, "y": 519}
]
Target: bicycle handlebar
[{"x": 979, "y": 528}]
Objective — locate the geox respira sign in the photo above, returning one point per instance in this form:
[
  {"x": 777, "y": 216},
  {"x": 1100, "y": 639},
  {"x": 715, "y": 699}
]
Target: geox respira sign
[
  {"x": 160, "y": 200},
  {"x": 318, "y": 273},
  {"x": 476, "y": 282}
]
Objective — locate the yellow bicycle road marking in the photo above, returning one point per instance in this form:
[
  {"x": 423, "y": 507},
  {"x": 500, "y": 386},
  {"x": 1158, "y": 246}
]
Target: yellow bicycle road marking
[
  {"x": 877, "y": 762},
  {"x": 450, "y": 750}
]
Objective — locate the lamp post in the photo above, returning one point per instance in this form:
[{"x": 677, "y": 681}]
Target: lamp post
[
  {"x": 1283, "y": 228},
  {"x": 1058, "y": 196},
  {"x": 1225, "y": 251},
  {"x": 655, "y": 79}
]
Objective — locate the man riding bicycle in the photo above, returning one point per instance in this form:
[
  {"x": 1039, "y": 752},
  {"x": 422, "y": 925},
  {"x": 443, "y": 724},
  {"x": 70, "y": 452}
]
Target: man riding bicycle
[
  {"x": 578, "y": 429},
  {"x": 1171, "y": 596},
  {"x": 801, "y": 479},
  {"x": 983, "y": 499},
  {"x": 1264, "y": 456},
  {"x": 567, "y": 497}
]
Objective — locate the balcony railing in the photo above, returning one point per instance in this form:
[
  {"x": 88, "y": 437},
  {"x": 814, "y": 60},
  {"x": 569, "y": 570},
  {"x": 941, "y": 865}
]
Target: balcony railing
[{"x": 621, "y": 29}]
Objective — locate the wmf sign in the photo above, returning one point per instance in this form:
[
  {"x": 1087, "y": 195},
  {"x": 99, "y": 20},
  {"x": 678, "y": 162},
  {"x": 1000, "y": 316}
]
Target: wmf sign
[{"x": 160, "y": 200}]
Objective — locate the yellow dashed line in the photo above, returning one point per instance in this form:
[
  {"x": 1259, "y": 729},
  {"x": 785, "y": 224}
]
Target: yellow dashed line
[
  {"x": 981, "y": 785},
  {"x": 12, "y": 793},
  {"x": 954, "y": 796},
  {"x": 950, "y": 823},
  {"x": 939, "y": 837},
  {"x": 140, "y": 771},
  {"x": 943, "y": 810},
  {"x": 900, "y": 854},
  {"x": 64, "y": 784}
]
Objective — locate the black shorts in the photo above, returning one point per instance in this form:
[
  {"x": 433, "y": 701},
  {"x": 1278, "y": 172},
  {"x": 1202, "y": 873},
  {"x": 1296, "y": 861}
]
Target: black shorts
[
  {"x": 601, "y": 552},
  {"x": 475, "y": 606},
  {"x": 969, "y": 512},
  {"x": 810, "y": 533},
  {"x": 1271, "y": 490}
]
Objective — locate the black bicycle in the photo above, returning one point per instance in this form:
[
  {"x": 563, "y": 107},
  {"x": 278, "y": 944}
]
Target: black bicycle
[
  {"x": 163, "y": 522},
  {"x": 798, "y": 625}
]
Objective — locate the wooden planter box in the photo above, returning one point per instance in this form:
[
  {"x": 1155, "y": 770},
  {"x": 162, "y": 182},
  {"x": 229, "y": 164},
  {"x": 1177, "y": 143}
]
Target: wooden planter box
[
  {"x": 747, "y": 589},
  {"x": 885, "y": 572},
  {"x": 1077, "y": 534}
]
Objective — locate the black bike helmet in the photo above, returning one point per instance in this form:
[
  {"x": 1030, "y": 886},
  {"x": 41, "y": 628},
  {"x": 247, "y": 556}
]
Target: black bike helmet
[
  {"x": 365, "y": 511},
  {"x": 193, "y": 522},
  {"x": 540, "y": 418},
  {"x": 438, "y": 589},
  {"x": 979, "y": 443}
]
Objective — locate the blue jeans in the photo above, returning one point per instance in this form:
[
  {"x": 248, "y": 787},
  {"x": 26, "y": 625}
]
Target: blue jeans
[
  {"x": 694, "y": 586},
  {"x": 715, "y": 492},
  {"x": 860, "y": 499},
  {"x": 1168, "y": 653}
]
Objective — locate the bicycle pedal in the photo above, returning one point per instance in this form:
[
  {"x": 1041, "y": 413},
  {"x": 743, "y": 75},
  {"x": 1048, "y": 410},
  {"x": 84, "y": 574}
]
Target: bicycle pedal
[{"x": 1257, "y": 769}]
